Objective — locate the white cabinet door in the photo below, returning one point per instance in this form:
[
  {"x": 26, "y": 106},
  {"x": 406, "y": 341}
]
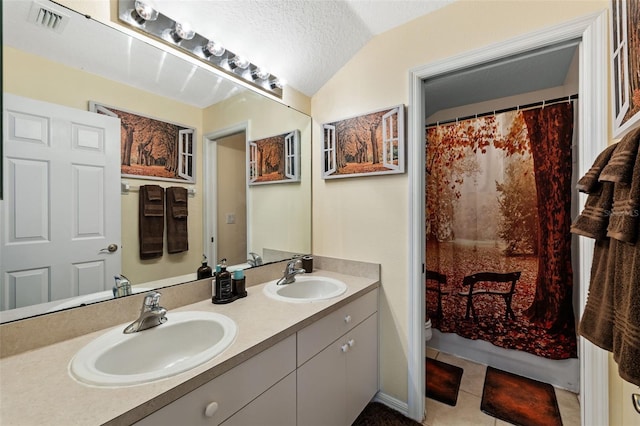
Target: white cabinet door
[
  {"x": 275, "y": 407},
  {"x": 61, "y": 208},
  {"x": 321, "y": 388},
  {"x": 335, "y": 385},
  {"x": 362, "y": 366}
]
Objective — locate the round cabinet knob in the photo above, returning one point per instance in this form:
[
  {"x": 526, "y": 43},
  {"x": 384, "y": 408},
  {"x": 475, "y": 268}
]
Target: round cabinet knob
[
  {"x": 351, "y": 342},
  {"x": 211, "y": 409},
  {"x": 347, "y": 319},
  {"x": 344, "y": 348}
]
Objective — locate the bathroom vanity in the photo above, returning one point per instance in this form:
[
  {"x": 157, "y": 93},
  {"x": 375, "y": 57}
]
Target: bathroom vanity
[{"x": 290, "y": 363}]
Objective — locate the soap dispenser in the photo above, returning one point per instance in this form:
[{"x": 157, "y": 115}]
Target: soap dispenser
[
  {"x": 223, "y": 290},
  {"x": 204, "y": 271}
]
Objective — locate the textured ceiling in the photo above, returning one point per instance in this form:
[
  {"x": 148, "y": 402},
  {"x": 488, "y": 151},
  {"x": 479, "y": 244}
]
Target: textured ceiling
[{"x": 304, "y": 42}]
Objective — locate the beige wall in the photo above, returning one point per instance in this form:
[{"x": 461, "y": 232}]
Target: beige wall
[
  {"x": 33, "y": 77},
  {"x": 278, "y": 215},
  {"x": 367, "y": 218},
  {"x": 232, "y": 199}
]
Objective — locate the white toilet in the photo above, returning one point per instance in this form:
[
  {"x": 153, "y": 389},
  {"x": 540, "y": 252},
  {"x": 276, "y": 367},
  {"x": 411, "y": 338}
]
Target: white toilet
[{"x": 427, "y": 330}]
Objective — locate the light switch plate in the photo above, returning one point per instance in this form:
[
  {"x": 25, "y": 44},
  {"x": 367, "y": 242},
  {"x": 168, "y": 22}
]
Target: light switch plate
[{"x": 231, "y": 218}]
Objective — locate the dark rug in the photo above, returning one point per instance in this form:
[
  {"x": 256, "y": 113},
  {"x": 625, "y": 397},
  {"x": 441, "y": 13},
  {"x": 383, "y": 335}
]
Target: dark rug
[
  {"x": 443, "y": 381},
  {"x": 519, "y": 400},
  {"x": 376, "y": 413}
]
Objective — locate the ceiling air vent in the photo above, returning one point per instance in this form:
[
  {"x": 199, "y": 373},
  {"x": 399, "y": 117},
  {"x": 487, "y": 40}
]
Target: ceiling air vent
[{"x": 47, "y": 18}]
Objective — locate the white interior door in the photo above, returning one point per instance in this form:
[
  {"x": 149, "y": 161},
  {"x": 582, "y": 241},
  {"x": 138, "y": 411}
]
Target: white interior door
[{"x": 60, "y": 217}]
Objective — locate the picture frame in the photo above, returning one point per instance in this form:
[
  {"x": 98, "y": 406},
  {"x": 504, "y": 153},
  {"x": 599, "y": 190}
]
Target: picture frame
[
  {"x": 151, "y": 148},
  {"x": 625, "y": 65},
  {"x": 274, "y": 159},
  {"x": 364, "y": 145}
]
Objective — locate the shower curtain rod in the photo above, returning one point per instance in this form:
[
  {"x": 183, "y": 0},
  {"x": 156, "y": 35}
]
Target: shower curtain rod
[{"x": 498, "y": 111}]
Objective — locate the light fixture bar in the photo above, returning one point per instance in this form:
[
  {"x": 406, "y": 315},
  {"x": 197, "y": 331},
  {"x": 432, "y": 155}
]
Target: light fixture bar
[{"x": 143, "y": 18}]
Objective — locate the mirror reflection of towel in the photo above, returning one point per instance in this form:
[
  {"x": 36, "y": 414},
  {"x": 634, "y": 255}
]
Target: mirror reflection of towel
[
  {"x": 151, "y": 221},
  {"x": 177, "y": 214}
]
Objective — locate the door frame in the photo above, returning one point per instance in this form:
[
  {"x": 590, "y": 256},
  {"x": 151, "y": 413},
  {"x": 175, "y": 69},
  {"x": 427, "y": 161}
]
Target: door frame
[
  {"x": 593, "y": 138},
  {"x": 210, "y": 204}
]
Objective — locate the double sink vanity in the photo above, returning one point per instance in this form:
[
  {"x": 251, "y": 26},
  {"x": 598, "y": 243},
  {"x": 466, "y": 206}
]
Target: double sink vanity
[{"x": 302, "y": 353}]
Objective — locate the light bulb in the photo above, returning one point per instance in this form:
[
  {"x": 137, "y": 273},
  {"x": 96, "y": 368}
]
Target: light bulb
[
  {"x": 260, "y": 73},
  {"x": 213, "y": 48},
  {"x": 182, "y": 32},
  {"x": 143, "y": 12},
  {"x": 276, "y": 83},
  {"x": 238, "y": 62}
]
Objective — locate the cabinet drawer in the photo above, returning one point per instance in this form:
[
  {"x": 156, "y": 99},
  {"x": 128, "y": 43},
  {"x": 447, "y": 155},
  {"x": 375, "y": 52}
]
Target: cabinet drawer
[
  {"x": 231, "y": 390},
  {"x": 319, "y": 335}
]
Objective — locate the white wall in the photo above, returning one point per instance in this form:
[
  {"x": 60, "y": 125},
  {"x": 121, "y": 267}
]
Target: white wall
[{"x": 367, "y": 218}]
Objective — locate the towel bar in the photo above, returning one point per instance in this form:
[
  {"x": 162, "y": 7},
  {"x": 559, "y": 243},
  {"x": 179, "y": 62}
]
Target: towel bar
[{"x": 125, "y": 188}]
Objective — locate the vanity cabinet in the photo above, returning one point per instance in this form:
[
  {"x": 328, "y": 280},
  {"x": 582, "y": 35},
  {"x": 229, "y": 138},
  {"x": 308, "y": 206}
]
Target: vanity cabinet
[
  {"x": 338, "y": 364},
  {"x": 324, "y": 375},
  {"x": 243, "y": 395}
]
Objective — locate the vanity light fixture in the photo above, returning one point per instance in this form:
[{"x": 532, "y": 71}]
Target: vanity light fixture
[{"x": 179, "y": 35}]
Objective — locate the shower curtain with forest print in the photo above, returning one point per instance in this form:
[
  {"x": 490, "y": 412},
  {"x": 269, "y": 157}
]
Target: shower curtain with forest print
[{"x": 498, "y": 199}]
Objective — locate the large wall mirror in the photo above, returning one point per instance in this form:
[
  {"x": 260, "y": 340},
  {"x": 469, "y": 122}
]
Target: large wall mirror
[{"x": 83, "y": 61}]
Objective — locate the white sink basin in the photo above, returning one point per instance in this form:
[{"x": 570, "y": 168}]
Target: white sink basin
[
  {"x": 306, "y": 288},
  {"x": 186, "y": 340}
]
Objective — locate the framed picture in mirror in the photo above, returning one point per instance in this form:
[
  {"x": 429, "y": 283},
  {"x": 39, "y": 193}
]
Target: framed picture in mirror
[
  {"x": 275, "y": 159},
  {"x": 152, "y": 148},
  {"x": 625, "y": 65},
  {"x": 368, "y": 144}
]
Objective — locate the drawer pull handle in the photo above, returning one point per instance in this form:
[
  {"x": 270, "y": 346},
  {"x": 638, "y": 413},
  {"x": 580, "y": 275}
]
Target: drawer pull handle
[
  {"x": 344, "y": 348},
  {"x": 351, "y": 342},
  {"x": 211, "y": 409},
  {"x": 636, "y": 401},
  {"x": 347, "y": 319}
]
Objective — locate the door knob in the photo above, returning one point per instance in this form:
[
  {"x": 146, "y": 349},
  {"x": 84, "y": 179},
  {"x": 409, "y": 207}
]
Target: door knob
[{"x": 110, "y": 248}]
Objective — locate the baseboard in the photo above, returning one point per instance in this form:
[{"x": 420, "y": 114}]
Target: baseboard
[{"x": 392, "y": 402}]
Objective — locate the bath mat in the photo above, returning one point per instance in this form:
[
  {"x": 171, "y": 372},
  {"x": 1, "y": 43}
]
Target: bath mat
[
  {"x": 378, "y": 414},
  {"x": 443, "y": 381},
  {"x": 519, "y": 400}
]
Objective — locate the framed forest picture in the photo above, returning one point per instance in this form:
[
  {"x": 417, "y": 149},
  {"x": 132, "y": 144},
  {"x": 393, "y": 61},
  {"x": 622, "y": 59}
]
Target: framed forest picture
[
  {"x": 369, "y": 144},
  {"x": 275, "y": 159},
  {"x": 625, "y": 64},
  {"x": 151, "y": 148}
]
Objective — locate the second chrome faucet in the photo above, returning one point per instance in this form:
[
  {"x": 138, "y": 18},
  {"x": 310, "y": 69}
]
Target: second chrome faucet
[{"x": 290, "y": 272}]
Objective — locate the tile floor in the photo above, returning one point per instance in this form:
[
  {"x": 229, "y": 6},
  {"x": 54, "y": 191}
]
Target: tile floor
[{"x": 467, "y": 410}]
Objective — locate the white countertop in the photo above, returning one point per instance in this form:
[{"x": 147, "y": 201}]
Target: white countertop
[{"x": 36, "y": 388}]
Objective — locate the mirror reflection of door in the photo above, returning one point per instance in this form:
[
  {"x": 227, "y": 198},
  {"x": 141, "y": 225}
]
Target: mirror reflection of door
[
  {"x": 62, "y": 205},
  {"x": 231, "y": 199}
]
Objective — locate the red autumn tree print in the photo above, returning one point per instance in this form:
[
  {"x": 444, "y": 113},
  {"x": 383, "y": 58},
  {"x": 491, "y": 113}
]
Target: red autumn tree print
[{"x": 497, "y": 200}]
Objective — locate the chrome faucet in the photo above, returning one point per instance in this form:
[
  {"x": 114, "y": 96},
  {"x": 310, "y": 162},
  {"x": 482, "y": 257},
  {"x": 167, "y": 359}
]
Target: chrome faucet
[
  {"x": 122, "y": 286},
  {"x": 290, "y": 272},
  {"x": 255, "y": 260},
  {"x": 151, "y": 314}
]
